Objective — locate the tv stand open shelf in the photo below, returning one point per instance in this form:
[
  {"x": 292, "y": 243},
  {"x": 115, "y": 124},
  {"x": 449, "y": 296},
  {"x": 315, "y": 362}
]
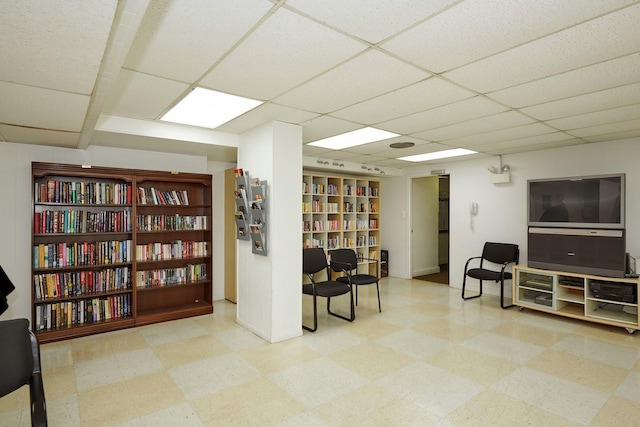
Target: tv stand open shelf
[{"x": 572, "y": 295}]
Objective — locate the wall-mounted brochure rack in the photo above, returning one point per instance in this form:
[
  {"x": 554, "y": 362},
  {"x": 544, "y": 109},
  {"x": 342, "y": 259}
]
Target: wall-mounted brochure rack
[
  {"x": 250, "y": 214},
  {"x": 258, "y": 226},
  {"x": 242, "y": 212}
]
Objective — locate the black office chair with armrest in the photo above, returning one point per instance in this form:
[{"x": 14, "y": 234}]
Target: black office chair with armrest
[
  {"x": 20, "y": 365},
  {"x": 347, "y": 260},
  {"x": 314, "y": 261},
  {"x": 500, "y": 254}
]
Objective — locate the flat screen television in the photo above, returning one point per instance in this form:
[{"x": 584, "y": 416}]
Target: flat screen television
[{"x": 577, "y": 202}]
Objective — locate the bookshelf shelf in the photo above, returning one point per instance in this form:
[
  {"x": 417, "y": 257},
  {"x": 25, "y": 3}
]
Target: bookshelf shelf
[
  {"x": 88, "y": 225},
  {"x": 342, "y": 212}
]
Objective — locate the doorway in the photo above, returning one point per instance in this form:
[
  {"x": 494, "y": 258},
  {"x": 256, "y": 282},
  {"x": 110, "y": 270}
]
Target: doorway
[{"x": 430, "y": 228}]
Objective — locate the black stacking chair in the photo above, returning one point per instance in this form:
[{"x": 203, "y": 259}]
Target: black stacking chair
[
  {"x": 492, "y": 266},
  {"x": 20, "y": 365},
  {"x": 314, "y": 261},
  {"x": 347, "y": 260}
]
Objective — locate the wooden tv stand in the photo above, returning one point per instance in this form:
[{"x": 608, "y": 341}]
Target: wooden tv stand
[{"x": 572, "y": 295}]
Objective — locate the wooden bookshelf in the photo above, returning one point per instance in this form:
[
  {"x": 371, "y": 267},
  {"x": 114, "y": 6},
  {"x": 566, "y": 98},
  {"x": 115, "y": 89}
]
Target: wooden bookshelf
[
  {"x": 342, "y": 212},
  {"x": 115, "y": 248}
]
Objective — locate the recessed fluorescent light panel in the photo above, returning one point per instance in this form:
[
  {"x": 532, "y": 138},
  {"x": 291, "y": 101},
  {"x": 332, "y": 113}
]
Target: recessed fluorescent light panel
[
  {"x": 353, "y": 138},
  {"x": 208, "y": 108},
  {"x": 437, "y": 155}
]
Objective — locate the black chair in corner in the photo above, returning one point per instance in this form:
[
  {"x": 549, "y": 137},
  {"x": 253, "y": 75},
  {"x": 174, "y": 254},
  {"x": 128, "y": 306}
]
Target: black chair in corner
[
  {"x": 20, "y": 365},
  {"x": 499, "y": 254},
  {"x": 314, "y": 261},
  {"x": 347, "y": 260}
]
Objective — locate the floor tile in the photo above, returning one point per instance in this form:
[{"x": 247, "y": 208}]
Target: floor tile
[
  {"x": 431, "y": 388},
  {"x": 566, "y": 399},
  {"x": 414, "y": 343},
  {"x": 210, "y": 375},
  {"x": 509, "y": 349},
  {"x": 318, "y": 381},
  {"x": 611, "y": 354}
]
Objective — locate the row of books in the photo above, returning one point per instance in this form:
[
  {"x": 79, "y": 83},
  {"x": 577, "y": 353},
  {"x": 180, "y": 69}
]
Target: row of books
[
  {"x": 333, "y": 242},
  {"x": 171, "y": 276},
  {"x": 81, "y": 192},
  {"x": 78, "y": 283},
  {"x": 73, "y": 254},
  {"x": 66, "y": 314},
  {"x": 367, "y": 207},
  {"x": 172, "y": 222},
  {"x": 81, "y": 221},
  {"x": 177, "y": 249},
  {"x": 153, "y": 196},
  {"x": 366, "y": 191},
  {"x": 313, "y": 243}
]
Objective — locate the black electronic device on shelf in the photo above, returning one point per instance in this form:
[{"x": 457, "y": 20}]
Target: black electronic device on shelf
[{"x": 612, "y": 291}]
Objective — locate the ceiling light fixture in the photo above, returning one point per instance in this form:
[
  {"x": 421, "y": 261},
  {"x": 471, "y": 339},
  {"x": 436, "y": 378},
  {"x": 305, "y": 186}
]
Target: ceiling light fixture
[
  {"x": 353, "y": 138},
  {"x": 455, "y": 152},
  {"x": 208, "y": 108},
  {"x": 401, "y": 145}
]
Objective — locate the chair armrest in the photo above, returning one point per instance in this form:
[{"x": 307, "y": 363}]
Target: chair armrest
[
  {"x": 468, "y": 261},
  {"x": 377, "y": 261},
  {"x": 340, "y": 266}
]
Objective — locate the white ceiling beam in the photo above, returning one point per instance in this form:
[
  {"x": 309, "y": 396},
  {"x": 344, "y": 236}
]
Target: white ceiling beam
[{"x": 126, "y": 23}]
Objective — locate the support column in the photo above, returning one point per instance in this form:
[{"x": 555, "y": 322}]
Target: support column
[{"x": 269, "y": 294}]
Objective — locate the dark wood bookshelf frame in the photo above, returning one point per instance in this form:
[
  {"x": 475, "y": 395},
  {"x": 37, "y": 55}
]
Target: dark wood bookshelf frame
[{"x": 147, "y": 304}]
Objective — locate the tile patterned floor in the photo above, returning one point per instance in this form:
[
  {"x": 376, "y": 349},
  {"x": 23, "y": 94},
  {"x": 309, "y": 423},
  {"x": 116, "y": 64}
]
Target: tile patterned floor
[{"x": 429, "y": 359}]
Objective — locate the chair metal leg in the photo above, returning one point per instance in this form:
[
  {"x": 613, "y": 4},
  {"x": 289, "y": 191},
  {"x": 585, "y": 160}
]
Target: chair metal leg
[
  {"x": 464, "y": 284},
  {"x": 378, "y": 290},
  {"x": 353, "y": 312},
  {"x": 315, "y": 317},
  {"x": 502, "y": 296}
]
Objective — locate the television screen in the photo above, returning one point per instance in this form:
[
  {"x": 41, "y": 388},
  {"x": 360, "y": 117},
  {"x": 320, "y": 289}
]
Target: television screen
[{"x": 584, "y": 202}]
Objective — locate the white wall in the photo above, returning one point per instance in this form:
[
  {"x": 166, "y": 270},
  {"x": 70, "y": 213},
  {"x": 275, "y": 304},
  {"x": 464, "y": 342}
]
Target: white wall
[
  {"x": 16, "y": 207},
  {"x": 502, "y": 212}
]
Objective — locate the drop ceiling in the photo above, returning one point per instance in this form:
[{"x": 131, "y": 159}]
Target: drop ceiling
[{"x": 496, "y": 77}]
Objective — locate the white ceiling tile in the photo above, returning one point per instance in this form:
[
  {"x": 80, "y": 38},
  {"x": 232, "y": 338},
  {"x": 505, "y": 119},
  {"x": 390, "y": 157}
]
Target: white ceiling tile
[
  {"x": 142, "y": 96},
  {"x": 42, "y": 108},
  {"x": 613, "y": 136},
  {"x": 534, "y": 147},
  {"x": 605, "y": 75},
  {"x": 590, "y": 102},
  {"x": 597, "y": 118},
  {"x": 601, "y": 39},
  {"x": 476, "y": 141},
  {"x": 525, "y": 142},
  {"x": 383, "y": 146},
  {"x": 363, "y": 77},
  {"x": 476, "y": 126},
  {"x": 183, "y": 39},
  {"x": 425, "y": 147},
  {"x": 460, "y": 111},
  {"x": 430, "y": 93},
  {"x": 475, "y": 29},
  {"x": 26, "y": 135},
  {"x": 293, "y": 49},
  {"x": 370, "y": 21},
  {"x": 607, "y": 129},
  {"x": 265, "y": 113},
  {"x": 54, "y": 44}
]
